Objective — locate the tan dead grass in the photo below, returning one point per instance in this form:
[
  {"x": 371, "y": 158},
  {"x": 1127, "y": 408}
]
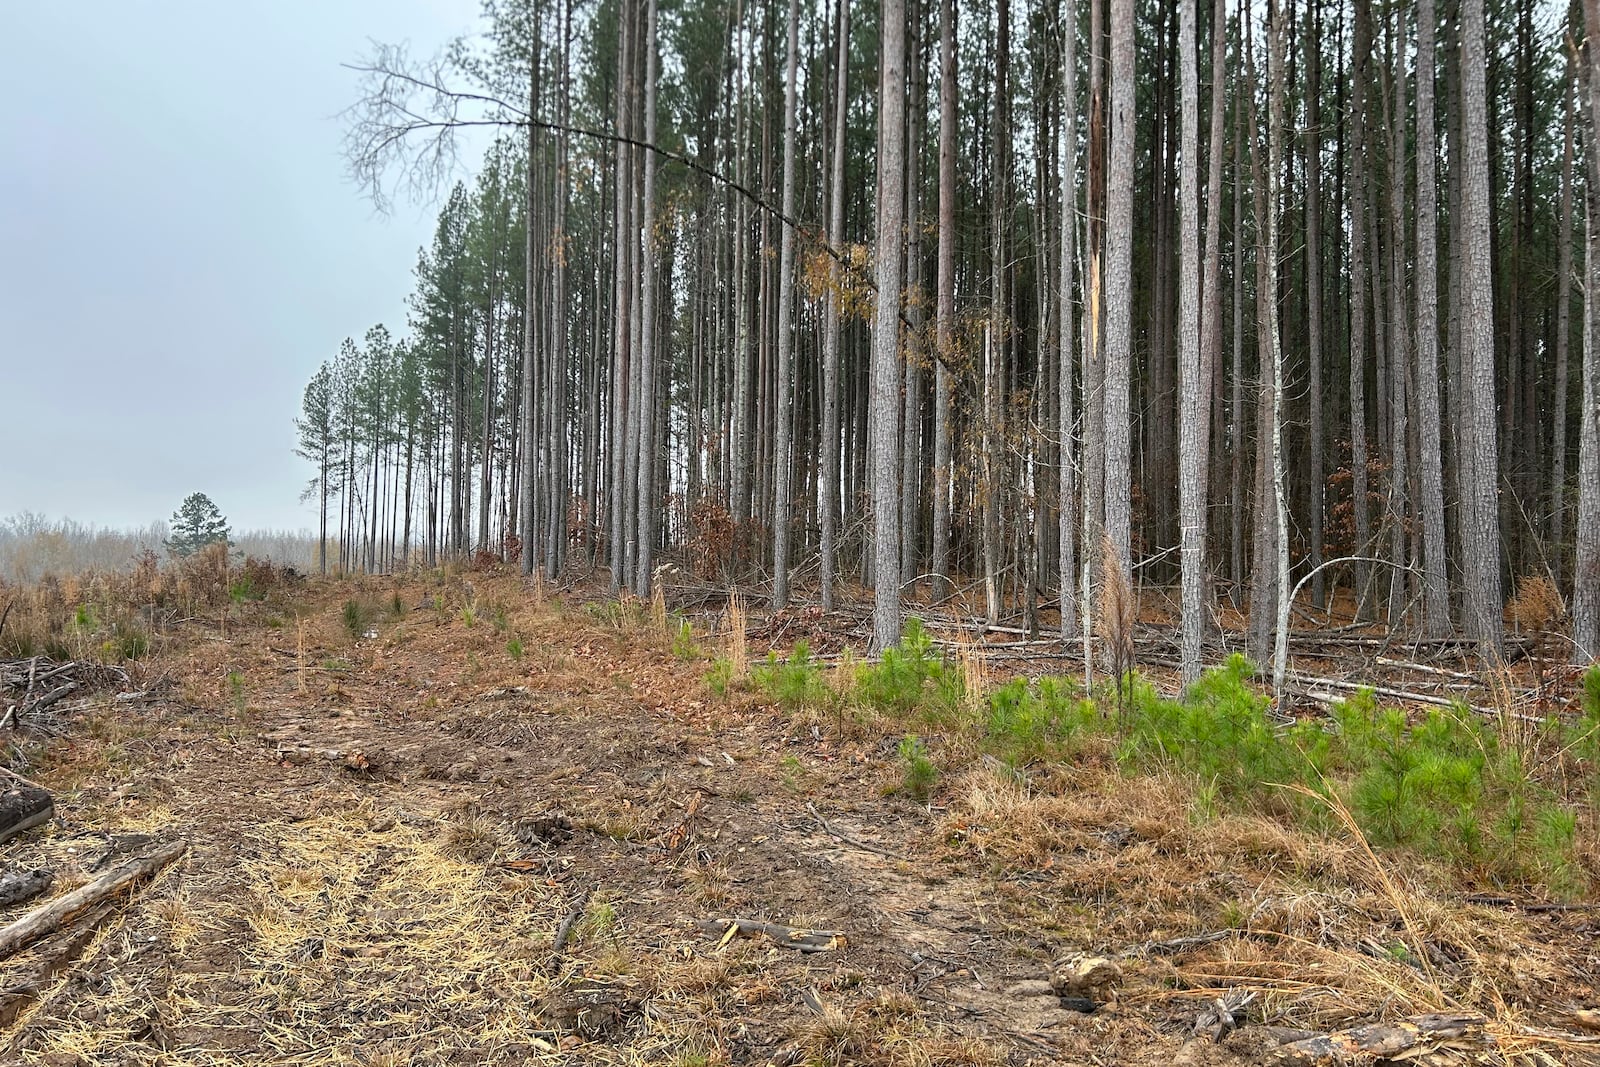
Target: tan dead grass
[{"x": 1320, "y": 923}]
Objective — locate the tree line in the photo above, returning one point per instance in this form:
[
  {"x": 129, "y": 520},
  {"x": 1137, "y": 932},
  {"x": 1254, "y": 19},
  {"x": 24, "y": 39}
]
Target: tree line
[{"x": 1268, "y": 301}]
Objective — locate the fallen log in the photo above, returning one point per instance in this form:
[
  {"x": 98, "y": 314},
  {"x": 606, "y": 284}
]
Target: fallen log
[
  {"x": 55, "y": 954},
  {"x": 50, "y": 917},
  {"x": 1382, "y": 1040},
  {"x": 788, "y": 936}
]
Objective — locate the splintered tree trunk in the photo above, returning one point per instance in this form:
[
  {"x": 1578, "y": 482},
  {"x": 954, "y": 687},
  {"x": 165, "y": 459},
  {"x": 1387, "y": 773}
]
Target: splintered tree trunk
[
  {"x": 1191, "y": 393},
  {"x": 783, "y": 461},
  {"x": 1480, "y": 565},
  {"x": 1066, "y": 417},
  {"x": 945, "y": 305},
  {"x": 1119, "y": 290},
  {"x": 885, "y": 363},
  {"x": 829, "y": 504},
  {"x": 1093, "y": 358},
  {"x": 1430, "y": 468}
]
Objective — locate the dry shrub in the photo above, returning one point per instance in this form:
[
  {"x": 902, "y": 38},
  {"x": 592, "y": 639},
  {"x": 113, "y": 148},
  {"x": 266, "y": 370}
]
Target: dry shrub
[
  {"x": 738, "y": 647},
  {"x": 203, "y": 578},
  {"x": 1117, "y": 612},
  {"x": 712, "y": 537},
  {"x": 1537, "y": 605}
]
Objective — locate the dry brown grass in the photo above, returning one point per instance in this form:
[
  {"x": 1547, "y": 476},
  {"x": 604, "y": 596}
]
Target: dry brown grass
[
  {"x": 1311, "y": 924},
  {"x": 738, "y": 647}
]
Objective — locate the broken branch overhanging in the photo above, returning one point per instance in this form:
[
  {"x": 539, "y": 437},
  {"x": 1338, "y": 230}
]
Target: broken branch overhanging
[{"x": 368, "y": 157}]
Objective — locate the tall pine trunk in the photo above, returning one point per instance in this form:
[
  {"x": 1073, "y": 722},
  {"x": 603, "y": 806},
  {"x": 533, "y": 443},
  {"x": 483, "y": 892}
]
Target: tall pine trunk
[
  {"x": 1191, "y": 388},
  {"x": 885, "y": 363}
]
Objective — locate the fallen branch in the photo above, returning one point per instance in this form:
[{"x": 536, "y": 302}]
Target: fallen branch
[
  {"x": 787, "y": 936},
  {"x": 1307, "y": 685},
  {"x": 1178, "y": 944},
  {"x": 45, "y": 920},
  {"x": 1381, "y": 1040},
  {"x": 1528, "y": 905},
  {"x": 865, "y": 846},
  {"x": 564, "y": 931}
]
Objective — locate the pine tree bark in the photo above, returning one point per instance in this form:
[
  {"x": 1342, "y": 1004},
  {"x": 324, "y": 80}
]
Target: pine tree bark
[
  {"x": 1357, "y": 195},
  {"x": 1563, "y": 345},
  {"x": 993, "y": 429},
  {"x": 1066, "y": 425},
  {"x": 648, "y": 335},
  {"x": 783, "y": 445},
  {"x": 621, "y": 370},
  {"x": 1119, "y": 289},
  {"x": 1191, "y": 389},
  {"x": 1586, "y": 561},
  {"x": 829, "y": 503},
  {"x": 1399, "y": 339},
  {"x": 945, "y": 301},
  {"x": 530, "y": 354},
  {"x": 1430, "y": 469},
  {"x": 885, "y": 362},
  {"x": 1480, "y": 469},
  {"x": 911, "y": 438},
  {"x": 1316, "y": 476},
  {"x": 1277, "y": 36}
]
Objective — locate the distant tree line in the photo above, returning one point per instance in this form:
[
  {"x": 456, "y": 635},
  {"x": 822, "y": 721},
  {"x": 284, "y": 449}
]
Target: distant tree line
[{"x": 33, "y": 546}]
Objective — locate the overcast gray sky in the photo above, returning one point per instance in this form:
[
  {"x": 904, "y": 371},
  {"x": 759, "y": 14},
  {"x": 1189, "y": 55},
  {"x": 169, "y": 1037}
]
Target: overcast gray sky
[{"x": 179, "y": 245}]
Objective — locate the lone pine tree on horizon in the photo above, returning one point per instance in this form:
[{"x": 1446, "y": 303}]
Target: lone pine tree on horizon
[{"x": 197, "y": 523}]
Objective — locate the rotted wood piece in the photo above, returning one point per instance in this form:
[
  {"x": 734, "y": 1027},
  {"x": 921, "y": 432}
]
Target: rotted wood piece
[
  {"x": 1382, "y": 1041},
  {"x": 797, "y": 938},
  {"x": 22, "y": 807},
  {"x": 1086, "y": 976}
]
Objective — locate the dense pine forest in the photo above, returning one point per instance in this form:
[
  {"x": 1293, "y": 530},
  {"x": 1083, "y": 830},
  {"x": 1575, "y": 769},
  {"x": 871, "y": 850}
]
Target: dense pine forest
[{"x": 1269, "y": 304}]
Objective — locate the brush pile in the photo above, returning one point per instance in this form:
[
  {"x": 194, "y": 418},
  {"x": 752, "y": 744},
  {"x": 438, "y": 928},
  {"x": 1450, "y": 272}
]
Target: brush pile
[{"x": 31, "y": 686}]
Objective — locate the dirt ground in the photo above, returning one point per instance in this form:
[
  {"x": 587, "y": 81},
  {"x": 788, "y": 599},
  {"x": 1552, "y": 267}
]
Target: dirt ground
[{"x": 389, "y": 835}]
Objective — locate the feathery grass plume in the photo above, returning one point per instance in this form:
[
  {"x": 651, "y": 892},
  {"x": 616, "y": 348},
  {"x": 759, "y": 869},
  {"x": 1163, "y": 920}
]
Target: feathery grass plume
[
  {"x": 974, "y": 678},
  {"x": 1117, "y": 612},
  {"x": 658, "y": 606},
  {"x": 538, "y": 588},
  {"x": 738, "y": 650}
]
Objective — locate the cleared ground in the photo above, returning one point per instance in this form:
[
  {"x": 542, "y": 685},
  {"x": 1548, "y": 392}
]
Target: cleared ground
[{"x": 389, "y": 835}]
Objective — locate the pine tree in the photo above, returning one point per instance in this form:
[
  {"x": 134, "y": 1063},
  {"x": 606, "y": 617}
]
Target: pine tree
[{"x": 196, "y": 524}]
